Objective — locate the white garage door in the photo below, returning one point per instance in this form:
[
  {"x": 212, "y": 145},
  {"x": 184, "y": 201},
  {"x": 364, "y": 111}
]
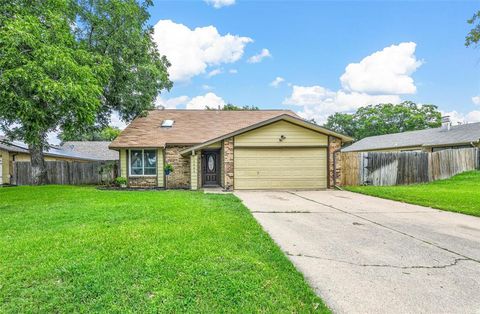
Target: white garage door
[{"x": 280, "y": 168}]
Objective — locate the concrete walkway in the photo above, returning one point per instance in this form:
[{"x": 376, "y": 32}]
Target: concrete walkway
[{"x": 368, "y": 255}]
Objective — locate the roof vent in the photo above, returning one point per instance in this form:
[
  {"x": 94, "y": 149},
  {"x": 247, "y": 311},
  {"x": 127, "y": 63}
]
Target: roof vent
[
  {"x": 446, "y": 124},
  {"x": 167, "y": 123}
]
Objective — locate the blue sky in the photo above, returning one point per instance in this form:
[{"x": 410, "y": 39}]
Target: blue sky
[{"x": 309, "y": 44}]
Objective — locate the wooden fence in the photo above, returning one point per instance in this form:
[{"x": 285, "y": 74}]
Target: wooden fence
[
  {"x": 398, "y": 168},
  {"x": 68, "y": 172}
]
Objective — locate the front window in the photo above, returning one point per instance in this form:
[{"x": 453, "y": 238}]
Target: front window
[{"x": 143, "y": 162}]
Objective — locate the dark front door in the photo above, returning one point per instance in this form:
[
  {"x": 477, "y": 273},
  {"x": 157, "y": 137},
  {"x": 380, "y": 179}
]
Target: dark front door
[{"x": 210, "y": 167}]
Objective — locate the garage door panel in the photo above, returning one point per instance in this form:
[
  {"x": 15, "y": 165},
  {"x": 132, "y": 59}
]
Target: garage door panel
[{"x": 280, "y": 168}]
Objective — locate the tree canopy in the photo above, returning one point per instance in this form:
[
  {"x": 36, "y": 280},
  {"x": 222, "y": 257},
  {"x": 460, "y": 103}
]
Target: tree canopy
[
  {"x": 473, "y": 36},
  {"x": 108, "y": 133},
  {"x": 68, "y": 64},
  {"x": 385, "y": 119},
  {"x": 232, "y": 107}
]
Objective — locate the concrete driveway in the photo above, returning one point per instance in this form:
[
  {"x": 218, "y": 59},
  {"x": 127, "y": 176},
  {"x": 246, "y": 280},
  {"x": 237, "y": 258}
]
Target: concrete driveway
[{"x": 368, "y": 255}]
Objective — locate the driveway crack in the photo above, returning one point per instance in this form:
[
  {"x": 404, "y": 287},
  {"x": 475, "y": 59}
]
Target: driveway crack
[
  {"x": 454, "y": 263},
  {"x": 389, "y": 228}
]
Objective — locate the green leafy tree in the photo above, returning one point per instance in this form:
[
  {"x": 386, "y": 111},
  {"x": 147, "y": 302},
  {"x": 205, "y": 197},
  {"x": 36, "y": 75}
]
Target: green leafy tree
[
  {"x": 47, "y": 80},
  {"x": 385, "y": 119},
  {"x": 232, "y": 107},
  {"x": 68, "y": 64},
  {"x": 108, "y": 133},
  {"x": 473, "y": 36},
  {"x": 118, "y": 29}
]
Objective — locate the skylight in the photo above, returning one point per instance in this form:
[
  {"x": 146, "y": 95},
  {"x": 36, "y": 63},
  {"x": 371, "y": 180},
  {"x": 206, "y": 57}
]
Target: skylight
[{"x": 167, "y": 123}]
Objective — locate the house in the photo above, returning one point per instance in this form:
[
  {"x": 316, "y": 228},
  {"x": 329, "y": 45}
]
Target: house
[
  {"x": 429, "y": 140},
  {"x": 11, "y": 151},
  {"x": 94, "y": 149},
  {"x": 262, "y": 149}
]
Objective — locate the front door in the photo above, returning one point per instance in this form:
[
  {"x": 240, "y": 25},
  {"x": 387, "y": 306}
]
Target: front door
[{"x": 210, "y": 167}]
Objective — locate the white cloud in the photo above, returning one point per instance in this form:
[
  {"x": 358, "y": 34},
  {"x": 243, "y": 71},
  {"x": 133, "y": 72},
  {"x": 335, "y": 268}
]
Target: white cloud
[
  {"x": 192, "y": 51},
  {"x": 233, "y": 71},
  {"x": 171, "y": 103},
  {"x": 208, "y": 100},
  {"x": 265, "y": 53},
  {"x": 318, "y": 102},
  {"x": 458, "y": 117},
  {"x": 217, "y": 4},
  {"x": 476, "y": 100},
  {"x": 214, "y": 72},
  {"x": 381, "y": 77},
  {"x": 206, "y": 87},
  {"x": 277, "y": 81},
  {"x": 384, "y": 72},
  {"x": 116, "y": 121}
]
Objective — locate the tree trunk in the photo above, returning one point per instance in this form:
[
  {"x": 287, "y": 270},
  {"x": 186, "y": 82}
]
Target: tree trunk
[{"x": 39, "y": 171}]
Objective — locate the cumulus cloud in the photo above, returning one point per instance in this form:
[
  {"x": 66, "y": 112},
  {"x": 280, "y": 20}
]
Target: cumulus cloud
[
  {"x": 461, "y": 118},
  {"x": 277, "y": 81},
  {"x": 384, "y": 72},
  {"x": 208, "y": 100},
  {"x": 217, "y": 4},
  {"x": 265, "y": 53},
  {"x": 214, "y": 72},
  {"x": 233, "y": 71},
  {"x": 206, "y": 87},
  {"x": 171, "y": 103},
  {"x": 476, "y": 100},
  {"x": 192, "y": 51},
  {"x": 381, "y": 77},
  {"x": 318, "y": 102}
]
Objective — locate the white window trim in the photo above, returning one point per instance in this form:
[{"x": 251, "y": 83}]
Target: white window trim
[{"x": 130, "y": 174}]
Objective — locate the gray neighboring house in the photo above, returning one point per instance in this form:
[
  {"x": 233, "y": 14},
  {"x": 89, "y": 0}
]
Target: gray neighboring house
[
  {"x": 12, "y": 151},
  {"x": 429, "y": 140},
  {"x": 95, "y": 149}
]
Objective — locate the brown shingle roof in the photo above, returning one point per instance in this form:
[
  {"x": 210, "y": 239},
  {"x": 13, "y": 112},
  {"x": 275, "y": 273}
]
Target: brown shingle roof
[{"x": 190, "y": 127}]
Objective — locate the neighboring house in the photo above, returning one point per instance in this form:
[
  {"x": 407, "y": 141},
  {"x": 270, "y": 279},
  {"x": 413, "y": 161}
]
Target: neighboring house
[
  {"x": 95, "y": 149},
  {"x": 429, "y": 140},
  {"x": 11, "y": 151},
  {"x": 263, "y": 149}
]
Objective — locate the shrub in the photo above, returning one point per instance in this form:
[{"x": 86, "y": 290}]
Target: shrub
[{"x": 121, "y": 181}]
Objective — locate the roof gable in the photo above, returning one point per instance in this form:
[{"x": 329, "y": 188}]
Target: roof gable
[{"x": 285, "y": 117}]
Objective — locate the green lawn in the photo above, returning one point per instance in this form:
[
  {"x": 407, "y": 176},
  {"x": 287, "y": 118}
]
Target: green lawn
[
  {"x": 78, "y": 249},
  {"x": 460, "y": 193}
]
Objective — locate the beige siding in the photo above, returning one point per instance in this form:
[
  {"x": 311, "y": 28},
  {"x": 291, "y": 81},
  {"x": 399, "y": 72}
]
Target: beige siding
[
  {"x": 5, "y": 167},
  {"x": 280, "y": 168},
  {"x": 194, "y": 172},
  {"x": 160, "y": 166},
  {"x": 123, "y": 163},
  {"x": 269, "y": 136},
  {"x": 214, "y": 145}
]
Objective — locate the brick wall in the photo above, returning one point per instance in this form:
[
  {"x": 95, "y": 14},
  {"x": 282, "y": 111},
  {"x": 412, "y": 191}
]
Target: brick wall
[
  {"x": 228, "y": 163},
  {"x": 334, "y": 144},
  {"x": 142, "y": 181},
  {"x": 180, "y": 177}
]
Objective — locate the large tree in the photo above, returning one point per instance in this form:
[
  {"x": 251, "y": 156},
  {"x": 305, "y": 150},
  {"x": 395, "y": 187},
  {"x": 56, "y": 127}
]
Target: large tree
[
  {"x": 47, "y": 80},
  {"x": 385, "y": 119},
  {"x": 68, "y": 64},
  {"x": 108, "y": 133}
]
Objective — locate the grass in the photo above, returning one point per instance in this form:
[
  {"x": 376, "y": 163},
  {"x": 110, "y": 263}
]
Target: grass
[
  {"x": 78, "y": 249},
  {"x": 460, "y": 193}
]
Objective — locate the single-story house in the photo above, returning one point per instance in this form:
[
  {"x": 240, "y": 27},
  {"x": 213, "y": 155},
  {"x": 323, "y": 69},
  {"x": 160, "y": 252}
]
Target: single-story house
[
  {"x": 11, "y": 151},
  {"x": 95, "y": 149},
  {"x": 429, "y": 140},
  {"x": 258, "y": 149}
]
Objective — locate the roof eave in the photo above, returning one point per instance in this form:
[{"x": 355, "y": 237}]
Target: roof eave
[{"x": 285, "y": 117}]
